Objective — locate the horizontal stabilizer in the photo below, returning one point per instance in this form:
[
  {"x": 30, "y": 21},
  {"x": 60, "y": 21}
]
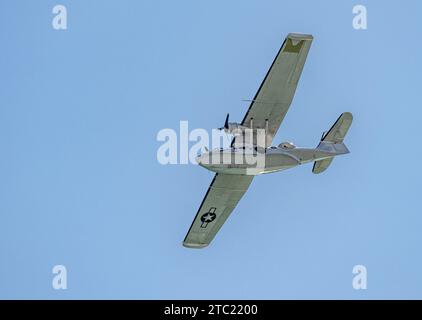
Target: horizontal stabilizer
[{"x": 321, "y": 165}]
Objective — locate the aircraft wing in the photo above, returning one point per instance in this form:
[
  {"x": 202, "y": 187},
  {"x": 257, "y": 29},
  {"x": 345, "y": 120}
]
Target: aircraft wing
[
  {"x": 221, "y": 198},
  {"x": 274, "y": 96}
]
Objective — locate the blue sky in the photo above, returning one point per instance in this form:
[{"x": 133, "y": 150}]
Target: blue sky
[{"x": 81, "y": 186}]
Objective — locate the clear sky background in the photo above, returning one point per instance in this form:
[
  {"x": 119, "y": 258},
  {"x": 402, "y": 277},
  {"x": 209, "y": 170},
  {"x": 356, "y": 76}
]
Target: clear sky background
[{"x": 80, "y": 184}]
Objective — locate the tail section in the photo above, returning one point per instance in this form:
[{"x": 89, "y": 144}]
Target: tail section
[{"x": 332, "y": 142}]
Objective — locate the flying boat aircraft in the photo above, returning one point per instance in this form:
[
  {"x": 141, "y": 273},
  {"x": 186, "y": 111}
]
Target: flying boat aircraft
[{"x": 252, "y": 153}]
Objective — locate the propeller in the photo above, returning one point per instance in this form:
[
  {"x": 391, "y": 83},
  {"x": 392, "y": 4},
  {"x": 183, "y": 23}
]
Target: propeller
[{"x": 226, "y": 123}]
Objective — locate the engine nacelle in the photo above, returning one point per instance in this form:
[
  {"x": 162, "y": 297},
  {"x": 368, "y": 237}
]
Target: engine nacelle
[{"x": 235, "y": 128}]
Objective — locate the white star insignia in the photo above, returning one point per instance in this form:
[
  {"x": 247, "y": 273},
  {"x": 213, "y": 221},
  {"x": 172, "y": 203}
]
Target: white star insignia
[{"x": 208, "y": 218}]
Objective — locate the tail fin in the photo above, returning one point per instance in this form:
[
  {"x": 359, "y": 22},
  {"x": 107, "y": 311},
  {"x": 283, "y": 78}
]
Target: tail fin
[
  {"x": 332, "y": 141},
  {"x": 339, "y": 129}
]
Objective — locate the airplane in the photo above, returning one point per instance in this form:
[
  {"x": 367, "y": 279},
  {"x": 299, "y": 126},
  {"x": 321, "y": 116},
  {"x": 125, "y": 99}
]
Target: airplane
[{"x": 265, "y": 114}]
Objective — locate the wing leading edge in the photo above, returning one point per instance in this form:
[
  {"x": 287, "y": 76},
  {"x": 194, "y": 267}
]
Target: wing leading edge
[
  {"x": 221, "y": 198},
  {"x": 274, "y": 96}
]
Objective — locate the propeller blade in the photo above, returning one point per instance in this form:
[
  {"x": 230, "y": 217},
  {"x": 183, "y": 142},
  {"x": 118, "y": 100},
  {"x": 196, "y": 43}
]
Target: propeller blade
[{"x": 226, "y": 123}]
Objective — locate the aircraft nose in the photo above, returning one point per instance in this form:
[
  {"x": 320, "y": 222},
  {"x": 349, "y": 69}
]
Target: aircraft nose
[{"x": 202, "y": 159}]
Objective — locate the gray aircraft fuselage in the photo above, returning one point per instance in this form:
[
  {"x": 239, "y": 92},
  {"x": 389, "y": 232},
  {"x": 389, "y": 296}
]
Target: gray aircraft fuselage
[{"x": 250, "y": 161}]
